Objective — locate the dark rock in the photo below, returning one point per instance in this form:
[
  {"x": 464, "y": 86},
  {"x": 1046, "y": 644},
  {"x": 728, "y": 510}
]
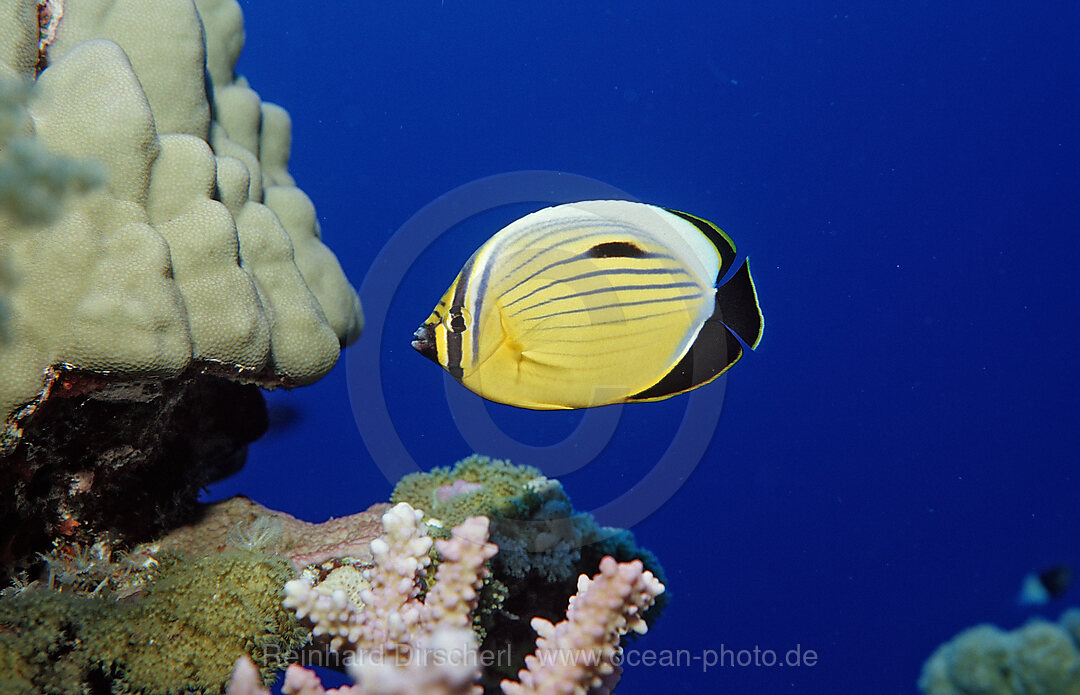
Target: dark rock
[{"x": 99, "y": 457}]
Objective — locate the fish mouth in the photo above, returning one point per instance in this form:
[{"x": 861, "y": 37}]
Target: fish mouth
[{"x": 424, "y": 342}]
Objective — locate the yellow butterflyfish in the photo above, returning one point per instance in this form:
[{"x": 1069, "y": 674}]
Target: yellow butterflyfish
[{"x": 592, "y": 303}]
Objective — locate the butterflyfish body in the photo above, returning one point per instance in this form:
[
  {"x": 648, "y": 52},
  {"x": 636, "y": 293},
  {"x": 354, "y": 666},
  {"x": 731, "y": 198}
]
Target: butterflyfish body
[{"x": 592, "y": 303}]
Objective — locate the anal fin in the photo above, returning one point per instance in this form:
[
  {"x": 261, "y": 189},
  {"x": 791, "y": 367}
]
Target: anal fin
[{"x": 713, "y": 352}]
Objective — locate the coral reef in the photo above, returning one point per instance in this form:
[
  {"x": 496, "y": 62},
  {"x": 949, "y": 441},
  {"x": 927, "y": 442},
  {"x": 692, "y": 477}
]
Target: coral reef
[
  {"x": 237, "y": 548},
  {"x": 158, "y": 267},
  {"x": 1039, "y": 657},
  {"x": 94, "y": 586},
  {"x": 395, "y": 642},
  {"x": 155, "y": 252}
]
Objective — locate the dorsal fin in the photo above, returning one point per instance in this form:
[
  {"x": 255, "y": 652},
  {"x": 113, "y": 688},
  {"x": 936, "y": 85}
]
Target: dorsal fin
[{"x": 725, "y": 247}]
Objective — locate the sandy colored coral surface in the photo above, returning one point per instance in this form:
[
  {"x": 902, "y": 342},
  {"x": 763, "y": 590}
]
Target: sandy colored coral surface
[{"x": 241, "y": 520}]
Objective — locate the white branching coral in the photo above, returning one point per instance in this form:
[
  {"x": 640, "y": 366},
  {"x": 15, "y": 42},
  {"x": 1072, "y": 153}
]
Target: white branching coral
[
  {"x": 579, "y": 654},
  {"x": 400, "y": 555},
  {"x": 398, "y": 644},
  {"x": 392, "y": 637}
]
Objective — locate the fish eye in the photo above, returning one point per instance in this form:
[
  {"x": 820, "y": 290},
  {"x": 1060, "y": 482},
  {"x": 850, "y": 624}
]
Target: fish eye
[{"x": 457, "y": 319}]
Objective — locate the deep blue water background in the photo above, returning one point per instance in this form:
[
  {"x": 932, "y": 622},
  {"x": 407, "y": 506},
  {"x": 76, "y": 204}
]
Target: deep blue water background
[{"x": 904, "y": 176}]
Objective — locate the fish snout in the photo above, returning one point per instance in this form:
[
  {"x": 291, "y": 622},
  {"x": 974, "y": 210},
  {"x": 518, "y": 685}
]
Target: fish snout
[{"x": 424, "y": 342}]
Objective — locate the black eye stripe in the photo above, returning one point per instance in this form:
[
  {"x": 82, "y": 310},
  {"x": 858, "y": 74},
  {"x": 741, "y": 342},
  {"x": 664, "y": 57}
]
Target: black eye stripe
[
  {"x": 456, "y": 319},
  {"x": 454, "y": 339}
]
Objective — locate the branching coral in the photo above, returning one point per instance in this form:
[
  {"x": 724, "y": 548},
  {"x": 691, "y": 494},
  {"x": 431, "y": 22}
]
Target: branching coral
[
  {"x": 580, "y": 653},
  {"x": 399, "y": 643},
  {"x": 390, "y": 637}
]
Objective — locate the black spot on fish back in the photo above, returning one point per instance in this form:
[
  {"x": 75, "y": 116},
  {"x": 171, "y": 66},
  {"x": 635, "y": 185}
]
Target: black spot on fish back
[{"x": 617, "y": 249}]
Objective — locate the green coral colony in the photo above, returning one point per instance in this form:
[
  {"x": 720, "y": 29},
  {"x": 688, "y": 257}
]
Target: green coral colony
[{"x": 532, "y": 520}]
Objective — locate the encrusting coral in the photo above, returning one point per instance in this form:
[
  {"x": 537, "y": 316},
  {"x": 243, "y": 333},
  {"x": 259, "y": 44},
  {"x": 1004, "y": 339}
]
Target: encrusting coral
[
  {"x": 157, "y": 265},
  {"x": 1039, "y": 657},
  {"x": 398, "y": 643},
  {"x": 170, "y": 616},
  {"x": 241, "y": 522},
  {"x": 179, "y": 633}
]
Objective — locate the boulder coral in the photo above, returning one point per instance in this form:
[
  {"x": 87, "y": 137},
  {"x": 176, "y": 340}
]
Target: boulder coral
[
  {"x": 157, "y": 266},
  {"x": 1039, "y": 657},
  {"x": 198, "y": 249}
]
